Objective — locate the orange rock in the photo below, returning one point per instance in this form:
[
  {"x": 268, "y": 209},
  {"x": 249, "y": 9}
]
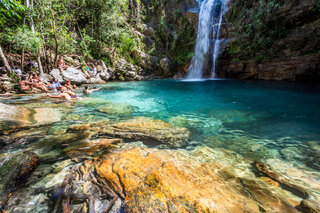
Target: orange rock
[
  {"x": 92, "y": 147},
  {"x": 153, "y": 180},
  {"x": 270, "y": 181}
]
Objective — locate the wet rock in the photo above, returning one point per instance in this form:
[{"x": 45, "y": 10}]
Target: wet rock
[
  {"x": 192, "y": 17},
  {"x": 13, "y": 116},
  {"x": 310, "y": 206},
  {"x": 14, "y": 172},
  {"x": 91, "y": 147},
  {"x": 153, "y": 180},
  {"x": 46, "y": 115},
  {"x": 74, "y": 75},
  {"x": 291, "y": 69},
  {"x": 149, "y": 130},
  {"x": 83, "y": 191},
  {"x": 298, "y": 179}
]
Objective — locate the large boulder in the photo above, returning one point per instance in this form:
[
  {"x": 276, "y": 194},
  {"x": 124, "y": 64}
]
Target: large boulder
[
  {"x": 74, "y": 75},
  {"x": 14, "y": 171},
  {"x": 56, "y": 74}
]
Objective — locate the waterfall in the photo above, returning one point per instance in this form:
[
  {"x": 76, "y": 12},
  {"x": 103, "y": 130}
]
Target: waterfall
[{"x": 210, "y": 19}]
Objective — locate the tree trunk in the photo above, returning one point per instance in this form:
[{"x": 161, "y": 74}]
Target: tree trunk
[
  {"x": 32, "y": 28},
  {"x": 22, "y": 59},
  {"x": 6, "y": 64},
  {"x": 55, "y": 39}
]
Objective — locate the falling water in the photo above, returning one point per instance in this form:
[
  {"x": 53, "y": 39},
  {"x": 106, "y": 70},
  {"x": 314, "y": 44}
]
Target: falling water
[{"x": 210, "y": 19}]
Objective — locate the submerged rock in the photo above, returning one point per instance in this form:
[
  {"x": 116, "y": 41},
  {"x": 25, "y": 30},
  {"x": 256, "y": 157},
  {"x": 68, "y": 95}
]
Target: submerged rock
[
  {"x": 14, "y": 117},
  {"x": 93, "y": 102},
  {"x": 14, "y": 172},
  {"x": 46, "y": 115},
  {"x": 153, "y": 180},
  {"x": 139, "y": 128},
  {"x": 118, "y": 109},
  {"x": 11, "y": 116},
  {"x": 147, "y": 129}
]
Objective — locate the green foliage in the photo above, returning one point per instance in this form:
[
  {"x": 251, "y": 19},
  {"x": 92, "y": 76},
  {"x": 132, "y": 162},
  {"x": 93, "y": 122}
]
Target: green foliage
[
  {"x": 10, "y": 9},
  {"x": 23, "y": 37},
  {"x": 106, "y": 30},
  {"x": 14, "y": 77}
]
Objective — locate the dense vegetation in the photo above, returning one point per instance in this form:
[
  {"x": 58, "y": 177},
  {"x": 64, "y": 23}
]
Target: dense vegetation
[
  {"x": 273, "y": 28},
  {"x": 105, "y": 30}
]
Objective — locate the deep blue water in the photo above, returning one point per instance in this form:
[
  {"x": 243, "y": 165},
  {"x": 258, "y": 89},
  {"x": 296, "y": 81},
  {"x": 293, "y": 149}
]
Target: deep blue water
[{"x": 267, "y": 109}]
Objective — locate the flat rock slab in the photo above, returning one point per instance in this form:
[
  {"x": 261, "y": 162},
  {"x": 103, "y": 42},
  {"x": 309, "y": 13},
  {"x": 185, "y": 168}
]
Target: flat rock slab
[
  {"x": 148, "y": 130},
  {"x": 152, "y": 180}
]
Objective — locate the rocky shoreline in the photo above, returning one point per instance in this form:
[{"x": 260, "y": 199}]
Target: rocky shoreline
[{"x": 93, "y": 164}]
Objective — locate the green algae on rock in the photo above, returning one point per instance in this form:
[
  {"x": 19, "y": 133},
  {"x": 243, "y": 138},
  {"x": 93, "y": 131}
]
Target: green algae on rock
[{"x": 14, "y": 172}]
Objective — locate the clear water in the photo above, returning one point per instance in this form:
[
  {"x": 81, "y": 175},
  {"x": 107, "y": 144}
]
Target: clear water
[
  {"x": 260, "y": 121},
  {"x": 275, "y": 115}
]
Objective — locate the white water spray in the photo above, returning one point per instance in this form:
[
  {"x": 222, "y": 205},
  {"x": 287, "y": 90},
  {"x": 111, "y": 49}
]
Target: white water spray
[{"x": 210, "y": 19}]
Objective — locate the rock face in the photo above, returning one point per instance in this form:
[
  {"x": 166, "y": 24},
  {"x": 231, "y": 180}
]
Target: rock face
[
  {"x": 169, "y": 181},
  {"x": 14, "y": 172},
  {"x": 293, "y": 69},
  {"x": 271, "y": 41}
]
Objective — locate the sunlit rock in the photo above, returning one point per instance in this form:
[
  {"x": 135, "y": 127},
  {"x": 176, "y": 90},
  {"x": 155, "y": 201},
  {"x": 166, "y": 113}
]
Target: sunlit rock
[
  {"x": 153, "y": 180},
  {"x": 290, "y": 175},
  {"x": 147, "y": 129},
  {"x": 91, "y": 147},
  {"x": 46, "y": 115},
  {"x": 13, "y": 116},
  {"x": 74, "y": 75}
]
